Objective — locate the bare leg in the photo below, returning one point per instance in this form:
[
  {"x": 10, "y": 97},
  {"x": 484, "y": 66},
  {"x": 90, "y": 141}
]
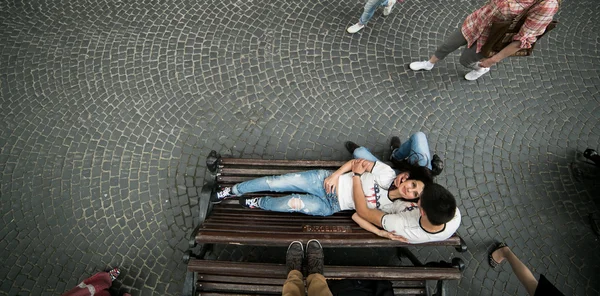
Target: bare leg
[
  {"x": 521, "y": 271},
  {"x": 433, "y": 59}
]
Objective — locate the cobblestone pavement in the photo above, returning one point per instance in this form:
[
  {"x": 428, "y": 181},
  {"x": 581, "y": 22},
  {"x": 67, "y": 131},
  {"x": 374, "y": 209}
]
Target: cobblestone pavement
[{"x": 109, "y": 109}]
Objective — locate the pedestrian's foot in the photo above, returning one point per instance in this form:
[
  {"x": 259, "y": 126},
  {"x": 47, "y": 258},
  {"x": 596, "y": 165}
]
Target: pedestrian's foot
[
  {"x": 294, "y": 256},
  {"x": 355, "y": 28},
  {"x": 388, "y": 8},
  {"x": 424, "y": 65},
  {"x": 114, "y": 273},
  {"x": 497, "y": 255},
  {"x": 251, "y": 203},
  {"x": 222, "y": 195},
  {"x": 315, "y": 257},
  {"x": 437, "y": 165},
  {"x": 350, "y": 146},
  {"x": 473, "y": 75},
  {"x": 592, "y": 155}
]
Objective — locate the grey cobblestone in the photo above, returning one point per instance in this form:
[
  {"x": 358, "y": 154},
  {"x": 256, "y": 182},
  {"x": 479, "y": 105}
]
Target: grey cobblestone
[{"x": 109, "y": 109}]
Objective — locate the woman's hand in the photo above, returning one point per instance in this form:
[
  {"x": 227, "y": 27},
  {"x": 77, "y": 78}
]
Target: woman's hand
[
  {"x": 330, "y": 183},
  {"x": 486, "y": 63},
  {"x": 392, "y": 236}
]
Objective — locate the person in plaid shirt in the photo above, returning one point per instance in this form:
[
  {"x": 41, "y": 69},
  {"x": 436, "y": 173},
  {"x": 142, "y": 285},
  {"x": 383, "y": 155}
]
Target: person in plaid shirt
[{"x": 475, "y": 31}]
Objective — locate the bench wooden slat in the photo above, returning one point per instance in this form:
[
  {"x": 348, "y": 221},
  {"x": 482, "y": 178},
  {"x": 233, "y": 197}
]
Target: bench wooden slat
[
  {"x": 407, "y": 291},
  {"x": 240, "y": 279},
  {"x": 238, "y": 210},
  {"x": 408, "y": 284},
  {"x": 290, "y": 220},
  {"x": 297, "y": 217},
  {"x": 216, "y": 287},
  {"x": 255, "y": 173},
  {"x": 269, "y": 270},
  {"x": 225, "y": 294},
  {"x": 227, "y": 161},
  {"x": 326, "y": 239},
  {"x": 275, "y": 228}
]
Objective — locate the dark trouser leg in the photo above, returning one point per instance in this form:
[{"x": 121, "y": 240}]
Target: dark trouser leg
[
  {"x": 452, "y": 43},
  {"x": 469, "y": 58}
]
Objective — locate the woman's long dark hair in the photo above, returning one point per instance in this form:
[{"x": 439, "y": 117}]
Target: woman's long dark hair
[{"x": 415, "y": 171}]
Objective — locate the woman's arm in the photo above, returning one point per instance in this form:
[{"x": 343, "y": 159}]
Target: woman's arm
[
  {"x": 366, "y": 225},
  {"x": 505, "y": 52}
]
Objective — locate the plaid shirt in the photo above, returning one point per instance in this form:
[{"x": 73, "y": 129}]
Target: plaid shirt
[{"x": 476, "y": 27}]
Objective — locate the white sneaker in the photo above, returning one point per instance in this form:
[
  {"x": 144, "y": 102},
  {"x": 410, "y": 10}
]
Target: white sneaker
[
  {"x": 424, "y": 65},
  {"x": 355, "y": 28},
  {"x": 473, "y": 75},
  {"x": 388, "y": 8}
]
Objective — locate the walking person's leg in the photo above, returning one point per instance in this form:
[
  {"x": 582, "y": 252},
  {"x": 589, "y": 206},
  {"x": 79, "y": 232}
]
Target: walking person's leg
[
  {"x": 450, "y": 44},
  {"x": 521, "y": 271},
  {"x": 367, "y": 14},
  {"x": 470, "y": 59}
]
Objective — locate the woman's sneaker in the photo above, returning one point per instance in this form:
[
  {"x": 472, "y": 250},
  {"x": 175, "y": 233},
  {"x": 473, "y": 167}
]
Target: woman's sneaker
[
  {"x": 355, "y": 28},
  {"x": 424, "y": 65},
  {"x": 251, "y": 203},
  {"x": 388, "y": 8},
  {"x": 473, "y": 75},
  {"x": 222, "y": 195}
]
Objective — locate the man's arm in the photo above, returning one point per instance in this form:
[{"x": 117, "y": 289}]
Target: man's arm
[
  {"x": 368, "y": 226},
  {"x": 331, "y": 182},
  {"x": 360, "y": 202}
]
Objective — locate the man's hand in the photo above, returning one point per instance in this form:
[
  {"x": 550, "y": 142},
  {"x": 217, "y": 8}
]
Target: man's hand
[
  {"x": 359, "y": 166},
  {"x": 402, "y": 177},
  {"x": 330, "y": 183}
]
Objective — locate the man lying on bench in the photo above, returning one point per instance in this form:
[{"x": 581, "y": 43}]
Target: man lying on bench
[{"x": 326, "y": 193}]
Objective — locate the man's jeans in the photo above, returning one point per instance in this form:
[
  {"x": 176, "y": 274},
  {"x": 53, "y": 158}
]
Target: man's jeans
[
  {"x": 315, "y": 202},
  {"x": 416, "y": 149},
  {"x": 370, "y": 8}
]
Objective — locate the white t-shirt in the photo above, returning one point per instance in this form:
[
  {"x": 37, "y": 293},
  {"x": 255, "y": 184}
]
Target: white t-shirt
[
  {"x": 404, "y": 219},
  {"x": 375, "y": 186}
]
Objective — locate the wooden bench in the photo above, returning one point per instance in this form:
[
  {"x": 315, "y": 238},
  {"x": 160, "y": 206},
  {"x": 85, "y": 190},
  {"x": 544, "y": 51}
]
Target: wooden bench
[
  {"x": 211, "y": 277},
  {"x": 229, "y": 223}
]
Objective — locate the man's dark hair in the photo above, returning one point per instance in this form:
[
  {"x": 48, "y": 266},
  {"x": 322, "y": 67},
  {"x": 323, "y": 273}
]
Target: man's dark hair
[{"x": 438, "y": 203}]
